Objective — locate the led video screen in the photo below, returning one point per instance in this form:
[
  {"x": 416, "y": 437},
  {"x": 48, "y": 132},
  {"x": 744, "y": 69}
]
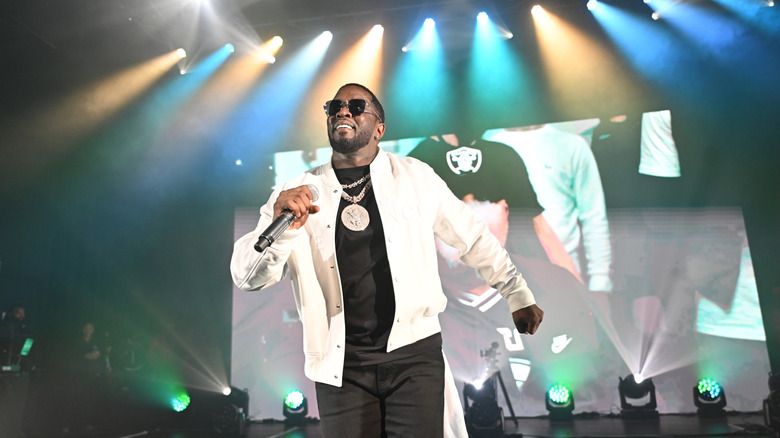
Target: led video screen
[{"x": 628, "y": 284}]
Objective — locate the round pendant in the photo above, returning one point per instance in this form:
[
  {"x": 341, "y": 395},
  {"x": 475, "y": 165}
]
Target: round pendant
[{"x": 355, "y": 217}]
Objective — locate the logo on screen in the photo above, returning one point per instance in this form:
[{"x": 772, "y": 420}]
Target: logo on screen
[
  {"x": 512, "y": 339},
  {"x": 559, "y": 343},
  {"x": 463, "y": 159}
]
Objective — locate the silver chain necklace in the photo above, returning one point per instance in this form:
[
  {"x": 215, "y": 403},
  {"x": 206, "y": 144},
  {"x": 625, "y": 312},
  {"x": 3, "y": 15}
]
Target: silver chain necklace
[
  {"x": 356, "y": 183},
  {"x": 355, "y": 217},
  {"x": 355, "y": 199}
]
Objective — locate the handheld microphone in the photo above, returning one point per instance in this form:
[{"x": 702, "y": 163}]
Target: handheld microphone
[{"x": 280, "y": 224}]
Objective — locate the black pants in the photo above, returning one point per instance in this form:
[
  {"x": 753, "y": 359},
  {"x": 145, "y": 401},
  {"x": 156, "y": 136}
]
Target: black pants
[{"x": 402, "y": 398}]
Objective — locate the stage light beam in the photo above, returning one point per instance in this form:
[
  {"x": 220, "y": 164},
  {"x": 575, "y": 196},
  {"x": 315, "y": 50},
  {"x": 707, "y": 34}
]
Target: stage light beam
[
  {"x": 75, "y": 116},
  {"x": 267, "y": 51},
  {"x": 580, "y": 69},
  {"x": 425, "y": 39},
  {"x": 289, "y": 86},
  {"x": 422, "y": 75},
  {"x": 496, "y": 77}
]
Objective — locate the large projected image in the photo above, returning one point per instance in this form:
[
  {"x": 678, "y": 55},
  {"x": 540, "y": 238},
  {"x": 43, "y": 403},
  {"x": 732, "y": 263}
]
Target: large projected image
[{"x": 628, "y": 284}]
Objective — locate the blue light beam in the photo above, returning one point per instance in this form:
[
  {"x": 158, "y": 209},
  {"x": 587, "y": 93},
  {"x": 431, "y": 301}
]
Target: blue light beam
[
  {"x": 497, "y": 77},
  {"x": 264, "y": 121},
  {"x": 421, "y": 76}
]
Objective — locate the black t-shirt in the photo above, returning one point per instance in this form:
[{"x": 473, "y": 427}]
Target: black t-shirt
[
  {"x": 369, "y": 301},
  {"x": 493, "y": 172},
  {"x": 366, "y": 281}
]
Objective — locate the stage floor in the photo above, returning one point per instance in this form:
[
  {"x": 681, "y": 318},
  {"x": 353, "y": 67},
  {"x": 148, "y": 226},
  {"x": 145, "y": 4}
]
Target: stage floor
[
  {"x": 735, "y": 425},
  {"x": 601, "y": 426}
]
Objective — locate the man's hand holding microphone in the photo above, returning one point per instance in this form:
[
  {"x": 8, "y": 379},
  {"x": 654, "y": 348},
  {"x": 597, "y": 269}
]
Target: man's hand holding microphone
[{"x": 291, "y": 210}]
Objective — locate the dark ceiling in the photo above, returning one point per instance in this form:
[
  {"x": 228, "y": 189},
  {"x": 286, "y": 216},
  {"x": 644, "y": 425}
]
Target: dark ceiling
[{"x": 61, "y": 43}]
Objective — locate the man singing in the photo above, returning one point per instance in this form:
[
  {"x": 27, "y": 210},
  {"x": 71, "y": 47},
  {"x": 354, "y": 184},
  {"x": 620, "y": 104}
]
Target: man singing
[{"x": 363, "y": 266}]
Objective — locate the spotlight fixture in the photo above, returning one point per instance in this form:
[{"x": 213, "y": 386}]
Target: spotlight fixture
[
  {"x": 180, "y": 402},
  {"x": 637, "y": 388},
  {"x": 484, "y": 418},
  {"x": 229, "y": 415},
  {"x": 592, "y": 4},
  {"x": 326, "y": 36},
  {"x": 295, "y": 408},
  {"x": 709, "y": 398},
  {"x": 559, "y": 401},
  {"x": 228, "y": 418}
]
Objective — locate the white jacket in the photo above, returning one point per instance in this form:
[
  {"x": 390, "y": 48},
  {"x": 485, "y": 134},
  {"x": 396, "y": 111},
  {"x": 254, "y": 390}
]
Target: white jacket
[{"x": 414, "y": 205}]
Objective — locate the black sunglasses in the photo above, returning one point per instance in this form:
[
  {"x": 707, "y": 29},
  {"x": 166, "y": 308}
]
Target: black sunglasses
[{"x": 356, "y": 107}]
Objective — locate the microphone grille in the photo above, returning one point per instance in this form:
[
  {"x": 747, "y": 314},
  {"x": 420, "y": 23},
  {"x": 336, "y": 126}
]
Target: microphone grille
[{"x": 315, "y": 193}]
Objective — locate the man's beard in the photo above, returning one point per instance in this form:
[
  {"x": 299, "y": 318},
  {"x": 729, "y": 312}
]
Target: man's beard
[{"x": 345, "y": 145}]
